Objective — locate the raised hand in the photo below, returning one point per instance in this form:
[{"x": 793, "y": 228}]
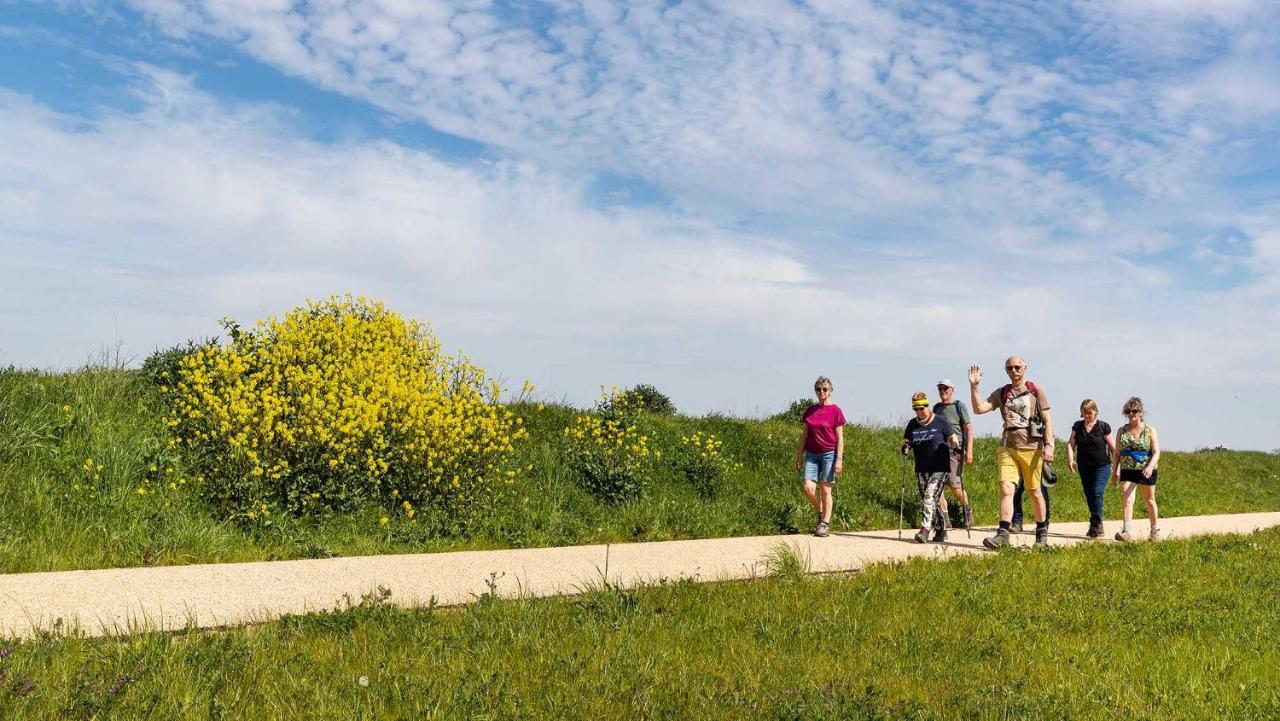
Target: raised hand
[{"x": 975, "y": 375}]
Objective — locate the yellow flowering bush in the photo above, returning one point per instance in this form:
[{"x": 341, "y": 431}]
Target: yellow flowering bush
[
  {"x": 340, "y": 402},
  {"x": 607, "y": 452},
  {"x": 702, "y": 462}
]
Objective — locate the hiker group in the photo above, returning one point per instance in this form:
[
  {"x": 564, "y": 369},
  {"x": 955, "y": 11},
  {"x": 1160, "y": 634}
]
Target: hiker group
[{"x": 940, "y": 438}]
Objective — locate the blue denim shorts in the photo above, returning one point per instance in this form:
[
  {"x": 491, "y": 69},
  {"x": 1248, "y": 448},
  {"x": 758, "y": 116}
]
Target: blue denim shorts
[{"x": 820, "y": 467}]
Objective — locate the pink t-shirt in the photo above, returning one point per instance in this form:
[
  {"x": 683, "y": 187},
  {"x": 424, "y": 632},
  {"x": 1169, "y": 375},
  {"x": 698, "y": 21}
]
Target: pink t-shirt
[{"x": 820, "y": 424}]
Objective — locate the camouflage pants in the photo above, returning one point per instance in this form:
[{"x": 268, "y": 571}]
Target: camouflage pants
[{"x": 930, "y": 485}]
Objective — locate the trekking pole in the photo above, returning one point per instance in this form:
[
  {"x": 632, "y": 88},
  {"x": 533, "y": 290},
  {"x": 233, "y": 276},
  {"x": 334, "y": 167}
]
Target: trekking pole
[
  {"x": 902, "y": 500},
  {"x": 968, "y": 527}
]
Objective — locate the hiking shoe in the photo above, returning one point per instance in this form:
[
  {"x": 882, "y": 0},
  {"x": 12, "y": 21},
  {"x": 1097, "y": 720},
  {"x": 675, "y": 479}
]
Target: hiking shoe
[
  {"x": 922, "y": 535},
  {"x": 999, "y": 540},
  {"x": 1095, "y": 530},
  {"x": 968, "y": 517},
  {"x": 1124, "y": 536},
  {"x": 1042, "y": 538},
  {"x": 1016, "y": 527},
  {"x": 1155, "y": 534},
  {"x": 939, "y": 535},
  {"x": 823, "y": 530}
]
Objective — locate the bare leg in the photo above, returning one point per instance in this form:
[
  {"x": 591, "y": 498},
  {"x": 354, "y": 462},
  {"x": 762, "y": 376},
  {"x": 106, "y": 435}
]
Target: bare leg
[
  {"x": 828, "y": 502},
  {"x": 1153, "y": 513},
  {"x": 811, "y": 494},
  {"x": 1006, "y": 501},
  {"x": 1126, "y": 494},
  {"x": 1037, "y": 505}
]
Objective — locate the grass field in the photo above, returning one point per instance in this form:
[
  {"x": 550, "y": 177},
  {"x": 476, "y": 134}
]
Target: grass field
[
  {"x": 1175, "y": 630},
  {"x": 78, "y": 447}
]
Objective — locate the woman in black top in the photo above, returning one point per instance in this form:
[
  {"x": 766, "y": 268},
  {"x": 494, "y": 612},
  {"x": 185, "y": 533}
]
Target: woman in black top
[{"x": 1089, "y": 451}]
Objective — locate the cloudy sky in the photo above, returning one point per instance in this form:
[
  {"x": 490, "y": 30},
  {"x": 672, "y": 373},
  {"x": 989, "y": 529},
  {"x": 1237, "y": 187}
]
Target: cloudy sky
[{"x": 721, "y": 198}]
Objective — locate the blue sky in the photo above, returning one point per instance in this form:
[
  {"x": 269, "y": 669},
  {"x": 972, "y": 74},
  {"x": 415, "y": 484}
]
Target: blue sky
[{"x": 724, "y": 199}]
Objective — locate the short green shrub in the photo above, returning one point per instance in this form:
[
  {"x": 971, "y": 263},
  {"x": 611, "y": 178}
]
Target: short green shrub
[
  {"x": 795, "y": 411},
  {"x": 339, "y": 403},
  {"x": 648, "y": 399},
  {"x": 607, "y": 452},
  {"x": 162, "y": 367},
  {"x": 701, "y": 462}
]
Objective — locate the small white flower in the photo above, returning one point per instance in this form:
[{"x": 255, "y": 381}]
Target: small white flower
[{"x": 363, "y": 681}]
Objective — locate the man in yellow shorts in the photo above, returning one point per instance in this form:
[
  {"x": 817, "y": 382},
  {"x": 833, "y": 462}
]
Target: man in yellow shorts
[{"x": 1026, "y": 443}]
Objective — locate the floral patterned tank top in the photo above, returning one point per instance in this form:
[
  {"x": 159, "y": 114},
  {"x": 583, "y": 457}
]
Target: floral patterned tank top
[{"x": 1135, "y": 451}]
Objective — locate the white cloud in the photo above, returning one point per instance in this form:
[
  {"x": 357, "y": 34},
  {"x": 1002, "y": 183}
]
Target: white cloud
[
  {"x": 974, "y": 217},
  {"x": 217, "y": 209},
  {"x": 826, "y": 113},
  {"x": 193, "y": 209}
]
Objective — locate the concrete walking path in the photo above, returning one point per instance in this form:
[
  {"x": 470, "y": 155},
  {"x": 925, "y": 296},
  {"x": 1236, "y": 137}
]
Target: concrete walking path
[{"x": 103, "y": 602}]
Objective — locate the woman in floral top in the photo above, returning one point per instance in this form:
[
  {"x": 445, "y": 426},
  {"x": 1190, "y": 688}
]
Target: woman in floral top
[{"x": 1137, "y": 456}]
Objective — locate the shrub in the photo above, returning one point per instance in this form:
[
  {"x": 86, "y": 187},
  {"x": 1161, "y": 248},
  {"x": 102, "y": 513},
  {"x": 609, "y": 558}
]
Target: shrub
[
  {"x": 341, "y": 402},
  {"x": 607, "y": 452},
  {"x": 161, "y": 368},
  {"x": 795, "y": 411},
  {"x": 648, "y": 399},
  {"x": 702, "y": 464}
]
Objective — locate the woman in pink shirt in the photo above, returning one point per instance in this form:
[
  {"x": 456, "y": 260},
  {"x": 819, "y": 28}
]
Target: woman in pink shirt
[{"x": 821, "y": 452}]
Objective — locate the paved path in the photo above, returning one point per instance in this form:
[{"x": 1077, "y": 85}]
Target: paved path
[{"x": 119, "y": 600}]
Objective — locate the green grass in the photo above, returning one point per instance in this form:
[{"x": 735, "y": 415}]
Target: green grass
[
  {"x": 1175, "y": 630},
  {"x": 113, "y": 417}
]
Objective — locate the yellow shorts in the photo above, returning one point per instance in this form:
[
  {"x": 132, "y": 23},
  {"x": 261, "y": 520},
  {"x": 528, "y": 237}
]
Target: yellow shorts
[{"x": 1014, "y": 462}]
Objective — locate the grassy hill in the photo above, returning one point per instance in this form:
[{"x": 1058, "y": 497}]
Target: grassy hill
[{"x": 90, "y": 482}]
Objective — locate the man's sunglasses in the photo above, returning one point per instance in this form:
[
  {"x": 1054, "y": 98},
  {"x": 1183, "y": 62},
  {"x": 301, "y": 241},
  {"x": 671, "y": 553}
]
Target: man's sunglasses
[{"x": 1014, "y": 368}]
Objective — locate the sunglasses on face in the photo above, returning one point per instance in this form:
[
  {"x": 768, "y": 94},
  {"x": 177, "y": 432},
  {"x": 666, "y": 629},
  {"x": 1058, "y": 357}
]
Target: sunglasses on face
[
  {"x": 919, "y": 408},
  {"x": 821, "y": 390},
  {"x": 1014, "y": 368},
  {"x": 1133, "y": 413}
]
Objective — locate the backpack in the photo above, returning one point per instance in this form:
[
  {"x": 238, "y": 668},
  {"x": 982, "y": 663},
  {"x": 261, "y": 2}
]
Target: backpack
[
  {"x": 1035, "y": 427},
  {"x": 1007, "y": 391},
  {"x": 959, "y": 426}
]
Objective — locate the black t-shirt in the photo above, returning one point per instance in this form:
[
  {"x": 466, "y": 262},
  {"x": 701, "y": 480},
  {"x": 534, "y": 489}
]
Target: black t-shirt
[
  {"x": 929, "y": 442},
  {"x": 1091, "y": 447}
]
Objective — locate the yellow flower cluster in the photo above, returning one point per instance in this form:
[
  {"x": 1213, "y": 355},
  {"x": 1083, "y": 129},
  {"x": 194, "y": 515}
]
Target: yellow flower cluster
[
  {"x": 702, "y": 462},
  {"x": 340, "y": 401},
  {"x": 608, "y": 436},
  {"x": 86, "y": 484},
  {"x": 706, "y": 445},
  {"x": 608, "y": 452}
]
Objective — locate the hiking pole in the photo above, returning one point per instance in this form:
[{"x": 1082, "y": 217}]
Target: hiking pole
[
  {"x": 968, "y": 527},
  {"x": 902, "y": 499}
]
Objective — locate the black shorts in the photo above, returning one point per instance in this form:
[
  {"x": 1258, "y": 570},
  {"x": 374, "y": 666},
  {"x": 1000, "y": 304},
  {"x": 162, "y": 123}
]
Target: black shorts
[{"x": 1135, "y": 476}]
